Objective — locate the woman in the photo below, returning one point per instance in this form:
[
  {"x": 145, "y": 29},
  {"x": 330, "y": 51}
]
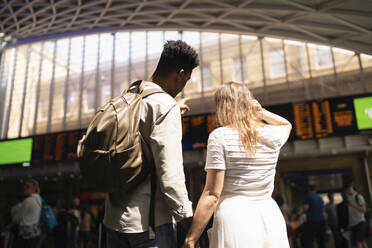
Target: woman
[
  {"x": 241, "y": 160},
  {"x": 28, "y": 215}
]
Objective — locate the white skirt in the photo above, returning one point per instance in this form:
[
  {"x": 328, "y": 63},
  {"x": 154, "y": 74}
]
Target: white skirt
[{"x": 240, "y": 222}]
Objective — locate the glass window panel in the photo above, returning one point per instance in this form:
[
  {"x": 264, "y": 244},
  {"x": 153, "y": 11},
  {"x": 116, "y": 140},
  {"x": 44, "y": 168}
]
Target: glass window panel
[
  {"x": 155, "y": 47},
  {"x": 348, "y": 71},
  {"x": 30, "y": 103},
  {"x": 105, "y": 69},
  {"x": 277, "y": 65},
  {"x": 193, "y": 87},
  {"x": 46, "y": 76},
  {"x": 367, "y": 70},
  {"x": 90, "y": 77},
  {"x": 323, "y": 82},
  {"x": 207, "y": 76},
  {"x": 19, "y": 83},
  {"x": 297, "y": 64},
  {"x": 6, "y": 77},
  {"x": 252, "y": 57},
  {"x": 274, "y": 62},
  {"x": 240, "y": 75},
  {"x": 320, "y": 59},
  {"x": 76, "y": 61},
  {"x": 230, "y": 50},
  {"x": 121, "y": 62},
  {"x": 211, "y": 58},
  {"x": 138, "y": 55},
  {"x": 59, "y": 85}
]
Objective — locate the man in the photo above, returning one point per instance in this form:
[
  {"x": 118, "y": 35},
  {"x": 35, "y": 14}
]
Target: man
[
  {"x": 160, "y": 126},
  {"x": 357, "y": 208},
  {"x": 315, "y": 226},
  {"x": 332, "y": 220}
]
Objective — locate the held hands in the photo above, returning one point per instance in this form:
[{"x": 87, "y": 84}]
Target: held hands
[
  {"x": 189, "y": 243},
  {"x": 182, "y": 104}
]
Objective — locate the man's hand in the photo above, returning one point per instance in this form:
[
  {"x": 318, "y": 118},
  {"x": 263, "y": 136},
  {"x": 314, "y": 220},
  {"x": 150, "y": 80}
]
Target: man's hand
[{"x": 182, "y": 104}]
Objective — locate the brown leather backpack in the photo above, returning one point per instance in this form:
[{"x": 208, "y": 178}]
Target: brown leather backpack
[{"x": 110, "y": 154}]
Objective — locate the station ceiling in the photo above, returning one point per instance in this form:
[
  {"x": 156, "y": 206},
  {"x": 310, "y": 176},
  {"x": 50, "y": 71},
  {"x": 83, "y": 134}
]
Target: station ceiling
[{"x": 340, "y": 23}]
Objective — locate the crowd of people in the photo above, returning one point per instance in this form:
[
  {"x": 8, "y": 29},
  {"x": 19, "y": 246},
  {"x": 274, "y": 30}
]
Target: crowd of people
[
  {"x": 242, "y": 155},
  {"x": 340, "y": 225},
  {"x": 75, "y": 224}
]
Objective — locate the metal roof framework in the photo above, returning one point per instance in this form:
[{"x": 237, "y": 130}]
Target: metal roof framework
[{"x": 340, "y": 23}]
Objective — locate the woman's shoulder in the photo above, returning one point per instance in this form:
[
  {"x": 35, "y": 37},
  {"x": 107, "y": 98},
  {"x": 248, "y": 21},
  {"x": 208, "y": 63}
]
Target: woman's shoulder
[{"x": 221, "y": 132}]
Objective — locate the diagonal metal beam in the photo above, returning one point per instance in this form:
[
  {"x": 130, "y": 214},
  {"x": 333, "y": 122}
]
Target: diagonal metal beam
[
  {"x": 54, "y": 16},
  {"x": 77, "y": 12},
  {"x": 129, "y": 18},
  {"x": 174, "y": 12},
  {"x": 332, "y": 4},
  {"x": 352, "y": 25},
  {"x": 242, "y": 5},
  {"x": 107, "y": 6}
]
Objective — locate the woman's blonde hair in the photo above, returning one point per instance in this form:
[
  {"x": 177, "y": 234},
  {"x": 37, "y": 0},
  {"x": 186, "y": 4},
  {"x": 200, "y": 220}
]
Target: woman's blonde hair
[
  {"x": 34, "y": 183},
  {"x": 234, "y": 108}
]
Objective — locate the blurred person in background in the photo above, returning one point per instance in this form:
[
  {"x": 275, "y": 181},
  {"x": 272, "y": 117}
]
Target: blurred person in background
[
  {"x": 357, "y": 209},
  {"x": 27, "y": 215},
  {"x": 65, "y": 230},
  {"x": 315, "y": 226},
  {"x": 332, "y": 219},
  {"x": 86, "y": 225},
  {"x": 75, "y": 210}
]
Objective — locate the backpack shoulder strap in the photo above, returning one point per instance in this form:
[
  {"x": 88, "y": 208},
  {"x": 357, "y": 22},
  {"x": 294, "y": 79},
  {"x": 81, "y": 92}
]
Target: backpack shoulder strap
[
  {"x": 148, "y": 92},
  {"x": 357, "y": 199},
  {"x": 138, "y": 87}
]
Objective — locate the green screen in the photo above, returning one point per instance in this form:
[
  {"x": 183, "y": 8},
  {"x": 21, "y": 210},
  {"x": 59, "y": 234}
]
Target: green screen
[
  {"x": 15, "y": 151},
  {"x": 363, "y": 112}
]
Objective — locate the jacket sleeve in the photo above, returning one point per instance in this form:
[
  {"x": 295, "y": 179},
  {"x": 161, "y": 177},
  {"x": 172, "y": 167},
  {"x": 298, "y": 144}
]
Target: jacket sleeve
[{"x": 166, "y": 148}]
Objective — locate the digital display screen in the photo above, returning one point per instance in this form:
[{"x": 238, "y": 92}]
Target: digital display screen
[
  {"x": 343, "y": 119},
  {"x": 56, "y": 147},
  {"x": 363, "y": 112},
  {"x": 15, "y": 151},
  {"x": 195, "y": 131},
  {"x": 323, "y": 118}
]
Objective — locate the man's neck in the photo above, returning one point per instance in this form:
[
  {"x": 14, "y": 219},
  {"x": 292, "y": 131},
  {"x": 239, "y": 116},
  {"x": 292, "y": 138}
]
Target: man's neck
[{"x": 162, "y": 82}]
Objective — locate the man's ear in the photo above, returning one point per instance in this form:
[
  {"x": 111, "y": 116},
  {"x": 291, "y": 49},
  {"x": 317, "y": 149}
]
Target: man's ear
[{"x": 181, "y": 73}]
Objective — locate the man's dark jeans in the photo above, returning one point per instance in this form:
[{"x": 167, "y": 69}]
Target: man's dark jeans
[
  {"x": 315, "y": 231},
  {"x": 165, "y": 237}
]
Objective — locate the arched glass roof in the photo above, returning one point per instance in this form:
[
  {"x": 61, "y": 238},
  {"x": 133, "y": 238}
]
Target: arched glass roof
[{"x": 340, "y": 23}]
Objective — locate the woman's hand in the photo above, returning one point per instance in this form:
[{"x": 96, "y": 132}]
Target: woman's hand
[{"x": 256, "y": 105}]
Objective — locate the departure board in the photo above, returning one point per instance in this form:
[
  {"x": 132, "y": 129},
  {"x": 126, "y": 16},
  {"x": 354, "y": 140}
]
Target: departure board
[
  {"x": 55, "y": 147},
  {"x": 339, "y": 116},
  {"x": 322, "y": 119},
  {"x": 343, "y": 117},
  {"x": 303, "y": 123},
  {"x": 195, "y": 131}
]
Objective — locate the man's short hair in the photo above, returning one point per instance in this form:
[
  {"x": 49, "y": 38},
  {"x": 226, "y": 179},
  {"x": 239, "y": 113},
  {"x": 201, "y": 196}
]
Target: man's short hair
[
  {"x": 176, "y": 55},
  {"x": 348, "y": 184},
  {"x": 311, "y": 187}
]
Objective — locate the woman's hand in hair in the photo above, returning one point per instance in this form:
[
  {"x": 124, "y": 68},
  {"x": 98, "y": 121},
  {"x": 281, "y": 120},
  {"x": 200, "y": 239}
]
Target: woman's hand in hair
[
  {"x": 257, "y": 106},
  {"x": 182, "y": 104}
]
